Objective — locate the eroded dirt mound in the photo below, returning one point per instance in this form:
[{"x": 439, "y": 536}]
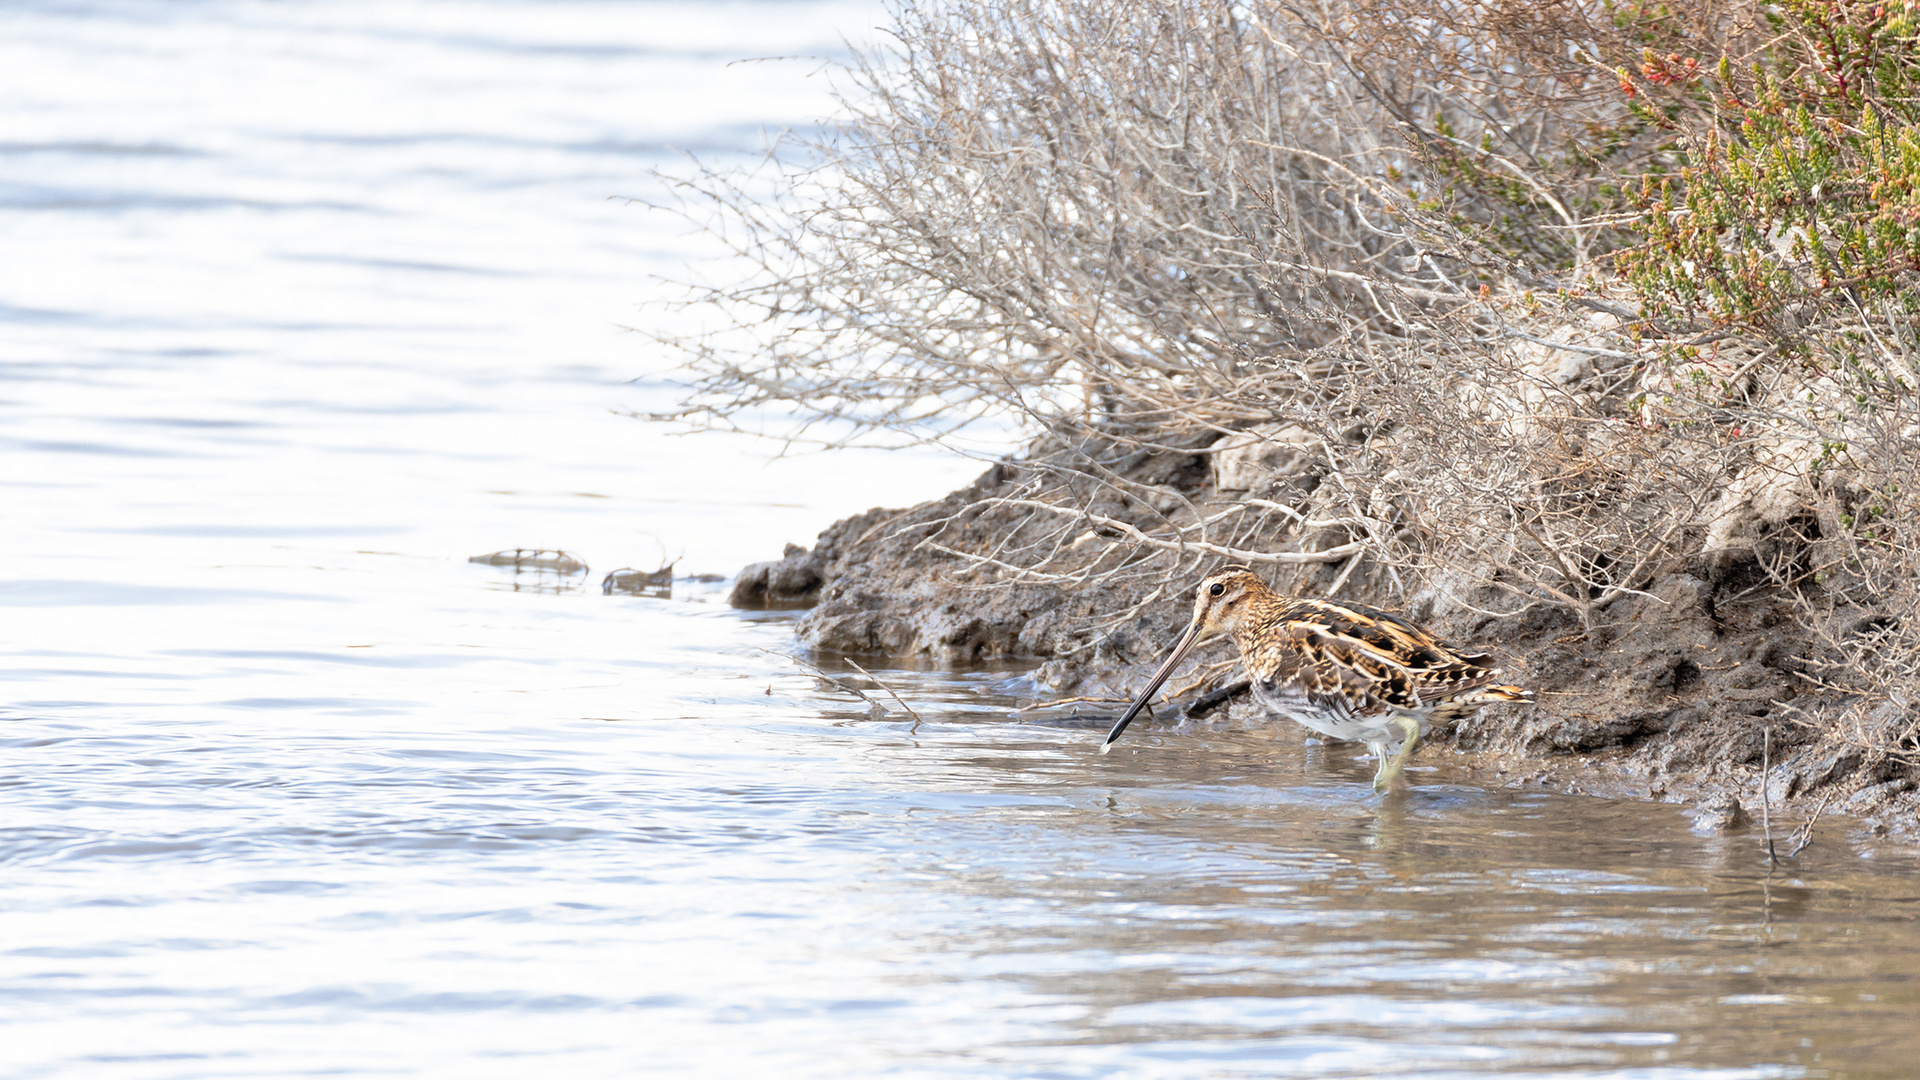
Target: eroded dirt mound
[{"x": 875, "y": 588}]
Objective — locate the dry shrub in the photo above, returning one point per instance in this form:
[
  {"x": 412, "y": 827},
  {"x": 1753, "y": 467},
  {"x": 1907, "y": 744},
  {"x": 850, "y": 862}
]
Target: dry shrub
[
  {"x": 1377, "y": 241},
  {"x": 1111, "y": 216}
]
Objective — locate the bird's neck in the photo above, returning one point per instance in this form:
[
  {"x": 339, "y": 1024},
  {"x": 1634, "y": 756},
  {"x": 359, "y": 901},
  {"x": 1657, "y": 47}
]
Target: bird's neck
[{"x": 1257, "y": 615}]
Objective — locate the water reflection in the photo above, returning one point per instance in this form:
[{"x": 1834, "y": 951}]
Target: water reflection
[
  {"x": 1318, "y": 932},
  {"x": 657, "y": 584},
  {"x": 538, "y": 570}
]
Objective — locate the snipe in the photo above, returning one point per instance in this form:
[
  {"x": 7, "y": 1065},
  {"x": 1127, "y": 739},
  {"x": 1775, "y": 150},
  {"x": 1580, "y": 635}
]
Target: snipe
[{"x": 1345, "y": 670}]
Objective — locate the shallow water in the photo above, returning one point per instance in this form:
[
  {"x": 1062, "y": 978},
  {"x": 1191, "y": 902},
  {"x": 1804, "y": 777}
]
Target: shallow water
[{"x": 305, "y": 304}]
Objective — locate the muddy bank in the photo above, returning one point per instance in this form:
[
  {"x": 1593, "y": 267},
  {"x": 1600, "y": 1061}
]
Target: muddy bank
[{"x": 1682, "y": 693}]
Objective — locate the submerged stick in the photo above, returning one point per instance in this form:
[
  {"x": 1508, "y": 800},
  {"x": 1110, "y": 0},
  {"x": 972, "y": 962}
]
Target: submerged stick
[
  {"x": 1213, "y": 699},
  {"x": 896, "y": 697},
  {"x": 1766, "y": 801},
  {"x": 1806, "y": 831},
  {"x": 878, "y": 709}
]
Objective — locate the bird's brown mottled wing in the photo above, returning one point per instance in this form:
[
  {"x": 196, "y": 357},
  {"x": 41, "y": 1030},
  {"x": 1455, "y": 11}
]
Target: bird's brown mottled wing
[{"x": 1375, "y": 655}]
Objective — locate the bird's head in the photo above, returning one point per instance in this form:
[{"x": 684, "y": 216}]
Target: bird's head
[
  {"x": 1218, "y": 604},
  {"x": 1220, "y": 601}
]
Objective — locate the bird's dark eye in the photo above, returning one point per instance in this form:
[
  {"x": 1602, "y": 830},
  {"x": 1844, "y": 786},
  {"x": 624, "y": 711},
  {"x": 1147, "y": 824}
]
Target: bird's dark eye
[{"x": 1216, "y": 589}]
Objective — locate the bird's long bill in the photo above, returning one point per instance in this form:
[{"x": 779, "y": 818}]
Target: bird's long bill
[{"x": 1180, "y": 650}]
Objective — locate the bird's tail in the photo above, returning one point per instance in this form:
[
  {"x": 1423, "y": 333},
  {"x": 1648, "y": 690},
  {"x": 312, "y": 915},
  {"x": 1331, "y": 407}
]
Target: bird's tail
[{"x": 1506, "y": 693}]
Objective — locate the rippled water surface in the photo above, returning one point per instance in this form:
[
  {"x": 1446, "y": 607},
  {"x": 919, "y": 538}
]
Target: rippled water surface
[{"x": 302, "y": 304}]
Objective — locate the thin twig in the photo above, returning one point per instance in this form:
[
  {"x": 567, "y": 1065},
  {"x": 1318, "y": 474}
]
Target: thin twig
[
  {"x": 1766, "y": 798},
  {"x": 854, "y": 690},
  {"x": 890, "y": 693},
  {"x": 1071, "y": 701},
  {"x": 1332, "y": 554},
  {"x": 1806, "y": 830}
]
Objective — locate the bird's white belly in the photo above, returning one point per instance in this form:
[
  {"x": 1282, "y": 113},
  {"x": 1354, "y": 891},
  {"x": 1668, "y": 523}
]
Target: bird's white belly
[{"x": 1288, "y": 700}]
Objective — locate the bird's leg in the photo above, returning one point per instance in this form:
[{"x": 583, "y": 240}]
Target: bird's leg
[
  {"x": 1380, "y": 755},
  {"x": 1391, "y": 765}
]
